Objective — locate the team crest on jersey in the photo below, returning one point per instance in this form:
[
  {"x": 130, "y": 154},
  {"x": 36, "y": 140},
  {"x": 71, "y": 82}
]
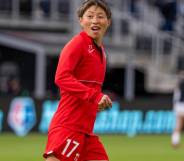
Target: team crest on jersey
[
  {"x": 91, "y": 49},
  {"x": 76, "y": 157}
]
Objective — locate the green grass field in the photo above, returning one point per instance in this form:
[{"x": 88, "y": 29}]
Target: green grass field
[{"x": 119, "y": 148}]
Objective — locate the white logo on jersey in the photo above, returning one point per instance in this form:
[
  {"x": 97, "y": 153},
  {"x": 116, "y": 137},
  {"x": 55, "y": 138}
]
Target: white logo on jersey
[{"x": 90, "y": 49}]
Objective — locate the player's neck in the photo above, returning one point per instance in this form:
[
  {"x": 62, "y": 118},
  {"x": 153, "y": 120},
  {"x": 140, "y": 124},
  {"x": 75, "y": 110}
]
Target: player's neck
[{"x": 98, "y": 42}]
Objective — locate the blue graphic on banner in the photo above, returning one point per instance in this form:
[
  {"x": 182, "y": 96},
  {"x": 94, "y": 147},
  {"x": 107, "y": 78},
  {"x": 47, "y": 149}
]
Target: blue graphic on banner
[
  {"x": 1, "y": 120},
  {"x": 48, "y": 110},
  {"x": 116, "y": 121},
  {"x": 132, "y": 122},
  {"x": 22, "y": 116}
]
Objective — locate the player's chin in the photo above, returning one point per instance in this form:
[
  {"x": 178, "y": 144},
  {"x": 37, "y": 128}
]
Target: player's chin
[{"x": 95, "y": 34}]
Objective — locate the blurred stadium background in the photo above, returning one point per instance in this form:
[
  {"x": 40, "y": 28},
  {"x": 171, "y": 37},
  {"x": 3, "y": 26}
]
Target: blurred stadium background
[{"x": 145, "y": 48}]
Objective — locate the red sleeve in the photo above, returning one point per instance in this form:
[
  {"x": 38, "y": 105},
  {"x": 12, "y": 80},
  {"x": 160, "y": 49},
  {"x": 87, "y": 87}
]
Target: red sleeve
[{"x": 69, "y": 59}]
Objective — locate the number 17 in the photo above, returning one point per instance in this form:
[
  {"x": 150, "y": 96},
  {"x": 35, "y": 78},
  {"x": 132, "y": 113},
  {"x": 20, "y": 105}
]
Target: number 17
[{"x": 69, "y": 141}]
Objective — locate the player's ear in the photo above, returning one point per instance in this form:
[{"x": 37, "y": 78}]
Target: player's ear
[
  {"x": 80, "y": 21},
  {"x": 109, "y": 22}
]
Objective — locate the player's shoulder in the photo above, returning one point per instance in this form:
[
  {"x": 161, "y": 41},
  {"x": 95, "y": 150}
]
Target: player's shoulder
[{"x": 76, "y": 40}]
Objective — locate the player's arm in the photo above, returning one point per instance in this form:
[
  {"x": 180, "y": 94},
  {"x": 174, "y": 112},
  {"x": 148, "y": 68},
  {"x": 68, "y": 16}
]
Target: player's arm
[{"x": 64, "y": 78}]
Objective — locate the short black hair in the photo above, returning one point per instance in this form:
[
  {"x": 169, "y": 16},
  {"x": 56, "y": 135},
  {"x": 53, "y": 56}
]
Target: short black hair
[{"x": 88, "y": 3}]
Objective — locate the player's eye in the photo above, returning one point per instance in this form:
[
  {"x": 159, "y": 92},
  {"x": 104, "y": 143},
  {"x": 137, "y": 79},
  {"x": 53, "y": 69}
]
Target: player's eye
[
  {"x": 101, "y": 16},
  {"x": 90, "y": 16}
]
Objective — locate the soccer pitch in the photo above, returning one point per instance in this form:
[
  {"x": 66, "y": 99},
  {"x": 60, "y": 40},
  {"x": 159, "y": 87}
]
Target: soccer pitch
[{"x": 119, "y": 148}]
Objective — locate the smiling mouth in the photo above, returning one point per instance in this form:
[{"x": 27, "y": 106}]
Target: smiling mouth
[{"x": 95, "y": 28}]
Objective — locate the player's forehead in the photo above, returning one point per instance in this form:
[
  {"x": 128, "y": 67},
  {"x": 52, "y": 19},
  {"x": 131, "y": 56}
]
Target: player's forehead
[{"x": 95, "y": 10}]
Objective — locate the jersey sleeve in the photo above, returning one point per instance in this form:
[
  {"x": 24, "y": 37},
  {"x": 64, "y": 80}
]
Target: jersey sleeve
[{"x": 70, "y": 57}]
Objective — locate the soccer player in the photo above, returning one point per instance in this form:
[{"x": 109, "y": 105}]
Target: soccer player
[
  {"x": 79, "y": 76},
  {"x": 179, "y": 111}
]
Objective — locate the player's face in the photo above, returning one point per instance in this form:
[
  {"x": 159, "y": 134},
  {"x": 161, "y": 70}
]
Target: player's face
[{"x": 95, "y": 22}]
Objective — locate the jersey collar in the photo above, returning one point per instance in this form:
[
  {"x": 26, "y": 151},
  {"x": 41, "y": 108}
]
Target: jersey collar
[
  {"x": 86, "y": 37},
  {"x": 90, "y": 40}
]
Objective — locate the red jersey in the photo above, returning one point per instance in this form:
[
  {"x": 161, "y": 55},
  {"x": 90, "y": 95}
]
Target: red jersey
[{"x": 80, "y": 74}]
